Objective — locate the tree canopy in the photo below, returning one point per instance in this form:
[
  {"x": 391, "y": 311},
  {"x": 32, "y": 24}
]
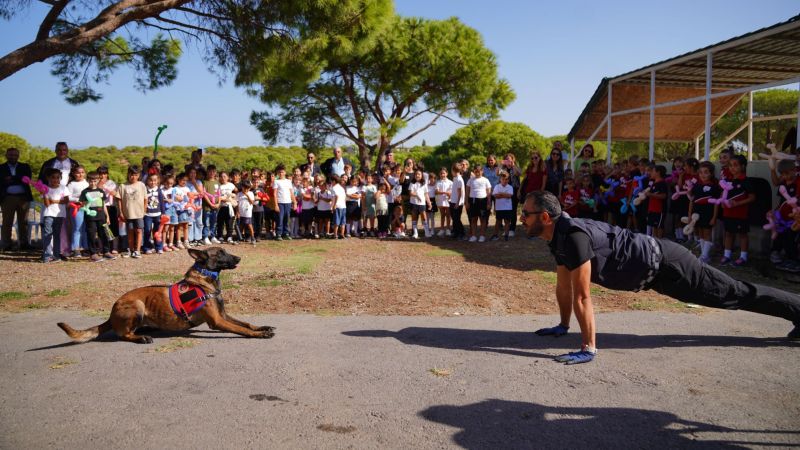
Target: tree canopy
[
  {"x": 415, "y": 72},
  {"x": 88, "y": 40}
]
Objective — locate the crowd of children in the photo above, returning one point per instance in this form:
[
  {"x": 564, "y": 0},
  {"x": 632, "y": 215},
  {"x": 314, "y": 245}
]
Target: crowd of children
[
  {"x": 158, "y": 210},
  {"x": 639, "y": 194}
]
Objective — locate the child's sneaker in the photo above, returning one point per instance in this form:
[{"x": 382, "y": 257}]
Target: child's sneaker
[
  {"x": 75, "y": 254},
  {"x": 473, "y": 239},
  {"x": 159, "y": 252},
  {"x": 149, "y": 251},
  {"x": 126, "y": 254},
  {"x": 206, "y": 241},
  {"x": 167, "y": 248},
  {"x": 495, "y": 238},
  {"x": 252, "y": 242},
  {"x": 482, "y": 239},
  {"x": 740, "y": 262},
  {"x": 136, "y": 254},
  {"x": 109, "y": 256},
  {"x": 511, "y": 233},
  {"x": 229, "y": 240},
  {"x": 440, "y": 233},
  {"x": 214, "y": 240},
  {"x": 180, "y": 246},
  {"x": 96, "y": 258},
  {"x": 724, "y": 261},
  {"x": 775, "y": 257}
]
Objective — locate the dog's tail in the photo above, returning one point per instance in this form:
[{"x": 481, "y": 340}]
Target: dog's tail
[{"x": 87, "y": 334}]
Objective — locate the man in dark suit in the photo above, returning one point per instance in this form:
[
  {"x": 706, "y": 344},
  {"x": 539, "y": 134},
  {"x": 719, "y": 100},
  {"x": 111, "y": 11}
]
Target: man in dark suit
[
  {"x": 311, "y": 165},
  {"x": 62, "y": 162},
  {"x": 15, "y": 198}
]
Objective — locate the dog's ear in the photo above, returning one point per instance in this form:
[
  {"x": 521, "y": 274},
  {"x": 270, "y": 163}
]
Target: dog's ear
[{"x": 198, "y": 255}]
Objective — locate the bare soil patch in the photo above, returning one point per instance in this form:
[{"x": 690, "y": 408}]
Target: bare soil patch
[{"x": 437, "y": 277}]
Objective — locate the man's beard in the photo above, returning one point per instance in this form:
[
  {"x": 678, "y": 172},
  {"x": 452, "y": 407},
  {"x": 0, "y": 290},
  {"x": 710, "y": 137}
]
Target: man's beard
[{"x": 535, "y": 230}]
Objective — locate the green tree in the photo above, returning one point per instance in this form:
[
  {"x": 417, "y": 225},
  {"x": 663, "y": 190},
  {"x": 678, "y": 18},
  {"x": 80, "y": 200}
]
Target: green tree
[
  {"x": 89, "y": 40},
  {"x": 477, "y": 141},
  {"x": 8, "y": 140},
  {"x": 414, "y": 71}
]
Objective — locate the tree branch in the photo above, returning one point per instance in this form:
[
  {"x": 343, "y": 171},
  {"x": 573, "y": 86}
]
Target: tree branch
[
  {"x": 50, "y": 19},
  {"x": 416, "y": 133}
]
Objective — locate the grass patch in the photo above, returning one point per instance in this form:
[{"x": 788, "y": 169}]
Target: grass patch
[
  {"x": 176, "y": 344},
  {"x": 314, "y": 250},
  {"x": 549, "y": 277},
  {"x": 442, "y": 252},
  {"x": 61, "y": 362},
  {"x": 654, "y": 305},
  {"x": 156, "y": 276},
  {"x": 35, "y": 305},
  {"x": 271, "y": 283},
  {"x": 95, "y": 313},
  {"x": 57, "y": 293},
  {"x": 440, "y": 372},
  {"x": 12, "y": 295},
  {"x": 303, "y": 263},
  {"x": 598, "y": 291}
]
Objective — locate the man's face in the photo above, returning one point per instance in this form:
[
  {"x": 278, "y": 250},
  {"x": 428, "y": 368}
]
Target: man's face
[
  {"x": 724, "y": 159},
  {"x": 337, "y": 153},
  {"x": 311, "y": 157},
  {"x": 12, "y": 156},
  {"x": 390, "y": 157},
  {"x": 62, "y": 151},
  {"x": 531, "y": 217}
]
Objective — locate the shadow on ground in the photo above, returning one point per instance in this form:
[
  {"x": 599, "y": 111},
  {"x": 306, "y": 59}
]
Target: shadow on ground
[
  {"x": 525, "y": 343},
  {"x": 154, "y": 333},
  {"x": 496, "y": 423}
]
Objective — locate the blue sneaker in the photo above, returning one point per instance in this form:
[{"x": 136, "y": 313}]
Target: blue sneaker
[
  {"x": 724, "y": 261},
  {"x": 581, "y": 357}
]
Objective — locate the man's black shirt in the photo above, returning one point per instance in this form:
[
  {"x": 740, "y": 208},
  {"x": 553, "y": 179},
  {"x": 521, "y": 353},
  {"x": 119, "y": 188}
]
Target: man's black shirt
[{"x": 577, "y": 249}]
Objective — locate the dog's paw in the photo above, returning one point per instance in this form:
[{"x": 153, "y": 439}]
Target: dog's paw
[
  {"x": 145, "y": 340},
  {"x": 266, "y": 332},
  {"x": 266, "y": 328}
]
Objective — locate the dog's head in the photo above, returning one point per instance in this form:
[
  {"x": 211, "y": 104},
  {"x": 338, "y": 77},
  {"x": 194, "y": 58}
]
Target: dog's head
[{"x": 214, "y": 259}]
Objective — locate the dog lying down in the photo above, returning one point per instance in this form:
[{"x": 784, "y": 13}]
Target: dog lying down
[{"x": 195, "y": 300}]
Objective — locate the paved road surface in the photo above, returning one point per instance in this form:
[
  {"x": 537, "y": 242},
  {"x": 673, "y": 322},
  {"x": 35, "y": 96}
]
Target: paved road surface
[{"x": 715, "y": 380}]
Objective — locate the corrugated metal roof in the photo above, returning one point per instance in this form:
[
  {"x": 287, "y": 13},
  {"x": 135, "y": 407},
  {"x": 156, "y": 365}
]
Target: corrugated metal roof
[{"x": 771, "y": 54}]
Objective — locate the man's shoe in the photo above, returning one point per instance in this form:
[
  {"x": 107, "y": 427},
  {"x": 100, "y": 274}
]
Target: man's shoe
[
  {"x": 556, "y": 331},
  {"x": 583, "y": 356}
]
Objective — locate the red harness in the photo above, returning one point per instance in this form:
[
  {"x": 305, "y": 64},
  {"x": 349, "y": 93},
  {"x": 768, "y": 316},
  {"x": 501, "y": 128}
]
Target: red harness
[{"x": 186, "y": 299}]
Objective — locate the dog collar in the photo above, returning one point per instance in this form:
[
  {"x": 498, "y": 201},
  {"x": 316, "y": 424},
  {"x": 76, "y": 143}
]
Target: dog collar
[{"x": 206, "y": 272}]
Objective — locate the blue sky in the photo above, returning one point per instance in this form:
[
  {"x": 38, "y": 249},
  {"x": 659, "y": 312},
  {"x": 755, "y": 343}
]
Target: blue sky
[{"x": 553, "y": 53}]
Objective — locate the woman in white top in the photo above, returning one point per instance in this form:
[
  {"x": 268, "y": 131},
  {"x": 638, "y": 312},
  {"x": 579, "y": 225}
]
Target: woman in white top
[
  {"x": 227, "y": 202},
  {"x": 419, "y": 199},
  {"x": 479, "y": 204},
  {"x": 75, "y": 214},
  {"x": 443, "y": 191}
]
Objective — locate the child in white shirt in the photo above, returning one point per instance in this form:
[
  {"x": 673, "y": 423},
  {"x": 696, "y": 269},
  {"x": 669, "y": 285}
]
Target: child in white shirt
[
  {"x": 479, "y": 204},
  {"x": 443, "y": 191},
  {"x": 246, "y": 199},
  {"x": 55, "y": 211},
  {"x": 75, "y": 187},
  {"x": 419, "y": 200},
  {"x": 340, "y": 207},
  {"x": 456, "y": 201},
  {"x": 504, "y": 215}
]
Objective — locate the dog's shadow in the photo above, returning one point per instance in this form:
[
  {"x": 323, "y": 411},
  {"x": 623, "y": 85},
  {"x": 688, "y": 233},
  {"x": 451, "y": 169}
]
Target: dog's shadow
[{"x": 155, "y": 333}]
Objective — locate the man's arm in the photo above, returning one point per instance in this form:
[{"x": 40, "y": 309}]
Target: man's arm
[
  {"x": 564, "y": 294},
  {"x": 580, "y": 281}
]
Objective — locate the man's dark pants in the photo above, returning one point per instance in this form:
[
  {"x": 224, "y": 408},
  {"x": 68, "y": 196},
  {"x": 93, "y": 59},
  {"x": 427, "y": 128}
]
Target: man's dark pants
[
  {"x": 683, "y": 277},
  {"x": 455, "y": 215},
  {"x": 15, "y": 206}
]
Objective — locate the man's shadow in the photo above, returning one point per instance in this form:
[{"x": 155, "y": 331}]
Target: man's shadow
[
  {"x": 526, "y": 343},
  {"x": 497, "y": 423}
]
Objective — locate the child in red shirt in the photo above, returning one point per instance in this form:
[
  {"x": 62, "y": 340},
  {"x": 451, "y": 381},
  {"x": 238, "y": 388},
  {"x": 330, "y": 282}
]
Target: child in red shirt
[
  {"x": 655, "y": 207},
  {"x": 570, "y": 197},
  {"x": 735, "y": 213}
]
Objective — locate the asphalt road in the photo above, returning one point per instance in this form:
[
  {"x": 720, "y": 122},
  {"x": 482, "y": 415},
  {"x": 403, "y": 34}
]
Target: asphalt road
[{"x": 714, "y": 380}]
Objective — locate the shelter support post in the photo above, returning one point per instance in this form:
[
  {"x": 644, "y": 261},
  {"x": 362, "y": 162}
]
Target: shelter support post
[
  {"x": 709, "y": 72},
  {"x": 608, "y": 126},
  {"x": 652, "y": 147},
  {"x": 797, "y": 136},
  {"x": 572, "y": 154},
  {"x": 750, "y": 127},
  {"x": 697, "y": 147}
]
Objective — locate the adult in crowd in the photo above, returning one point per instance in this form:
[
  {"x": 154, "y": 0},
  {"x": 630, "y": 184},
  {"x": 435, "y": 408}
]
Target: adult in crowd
[
  {"x": 311, "y": 166},
  {"x": 491, "y": 170},
  {"x": 554, "y": 166},
  {"x": 388, "y": 161},
  {"x": 15, "y": 198},
  {"x": 585, "y": 156},
  {"x": 592, "y": 251},
  {"x": 335, "y": 165},
  {"x": 535, "y": 175},
  {"x": 62, "y": 162},
  {"x": 196, "y": 163}
]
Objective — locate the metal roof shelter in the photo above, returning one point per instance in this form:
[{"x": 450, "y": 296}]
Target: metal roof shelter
[{"x": 679, "y": 99}]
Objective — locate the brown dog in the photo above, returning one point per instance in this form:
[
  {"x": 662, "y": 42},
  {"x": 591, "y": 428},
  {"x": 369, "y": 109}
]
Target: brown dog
[{"x": 156, "y": 307}]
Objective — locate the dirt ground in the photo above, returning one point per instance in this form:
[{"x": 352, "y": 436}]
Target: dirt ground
[{"x": 437, "y": 277}]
